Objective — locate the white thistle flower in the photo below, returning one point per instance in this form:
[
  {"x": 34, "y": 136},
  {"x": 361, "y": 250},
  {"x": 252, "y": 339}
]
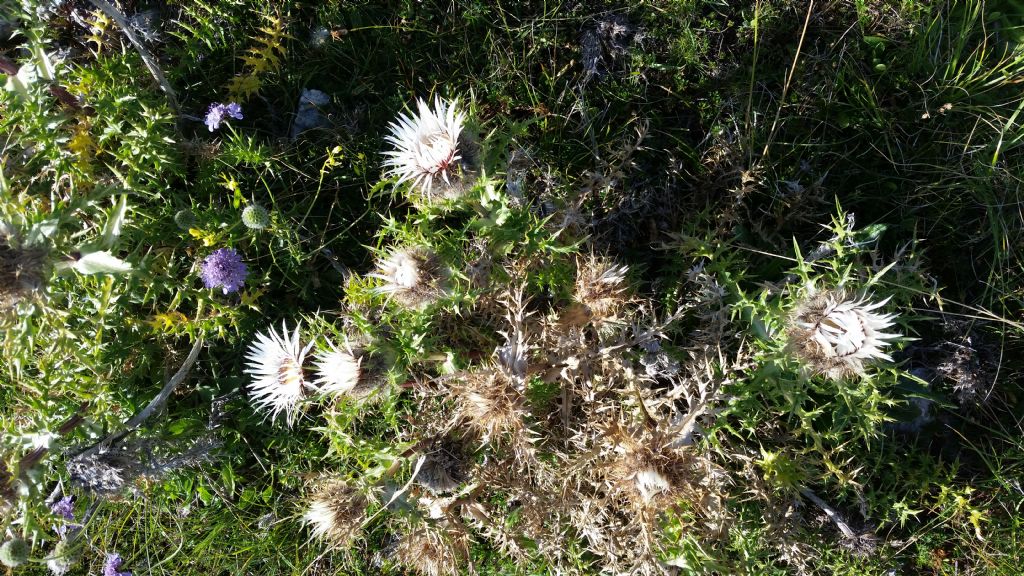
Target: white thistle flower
[
  {"x": 337, "y": 371},
  {"x": 426, "y": 145},
  {"x": 837, "y": 334},
  {"x": 275, "y": 363},
  {"x": 415, "y": 277}
]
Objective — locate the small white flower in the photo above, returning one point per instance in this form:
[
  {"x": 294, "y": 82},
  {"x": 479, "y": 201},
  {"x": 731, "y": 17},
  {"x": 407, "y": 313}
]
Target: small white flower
[
  {"x": 426, "y": 145},
  {"x": 275, "y": 363},
  {"x": 837, "y": 334},
  {"x": 337, "y": 371}
]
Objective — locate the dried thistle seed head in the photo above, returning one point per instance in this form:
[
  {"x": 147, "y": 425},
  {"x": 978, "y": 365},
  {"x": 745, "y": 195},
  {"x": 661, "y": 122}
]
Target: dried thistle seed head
[
  {"x": 335, "y": 513},
  {"x": 647, "y": 470},
  {"x": 414, "y": 276},
  {"x": 446, "y": 465},
  {"x": 490, "y": 403},
  {"x": 433, "y": 550},
  {"x": 836, "y": 334},
  {"x": 601, "y": 292},
  {"x": 22, "y": 275}
]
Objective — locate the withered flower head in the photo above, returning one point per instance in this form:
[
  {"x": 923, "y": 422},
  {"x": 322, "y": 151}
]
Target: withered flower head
[
  {"x": 836, "y": 334},
  {"x": 647, "y": 470},
  {"x": 445, "y": 466},
  {"x": 335, "y": 513},
  {"x": 491, "y": 403},
  {"x": 600, "y": 293},
  {"x": 415, "y": 276},
  {"x": 432, "y": 550}
]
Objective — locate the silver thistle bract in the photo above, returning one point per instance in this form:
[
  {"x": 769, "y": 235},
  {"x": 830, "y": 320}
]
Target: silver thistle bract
[
  {"x": 337, "y": 371},
  {"x": 275, "y": 363},
  {"x": 428, "y": 148},
  {"x": 835, "y": 333}
]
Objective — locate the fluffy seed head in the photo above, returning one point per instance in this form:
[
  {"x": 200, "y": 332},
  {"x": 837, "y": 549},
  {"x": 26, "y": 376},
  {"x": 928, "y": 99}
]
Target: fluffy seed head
[
  {"x": 414, "y": 277},
  {"x": 836, "y": 334},
  {"x": 337, "y": 371},
  {"x": 335, "y": 513},
  {"x": 255, "y": 217},
  {"x": 275, "y": 363},
  {"x": 429, "y": 148}
]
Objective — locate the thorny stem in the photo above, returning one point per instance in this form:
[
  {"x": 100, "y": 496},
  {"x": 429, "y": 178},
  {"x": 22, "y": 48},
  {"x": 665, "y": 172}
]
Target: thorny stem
[
  {"x": 830, "y": 512},
  {"x": 147, "y": 58}
]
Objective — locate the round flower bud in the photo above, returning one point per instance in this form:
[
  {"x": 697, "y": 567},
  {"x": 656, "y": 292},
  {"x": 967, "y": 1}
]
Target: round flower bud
[
  {"x": 185, "y": 219},
  {"x": 14, "y": 553},
  {"x": 255, "y": 217}
]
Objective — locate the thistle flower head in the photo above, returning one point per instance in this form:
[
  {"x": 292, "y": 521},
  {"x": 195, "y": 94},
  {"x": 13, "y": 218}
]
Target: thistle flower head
[
  {"x": 836, "y": 334},
  {"x": 255, "y": 217},
  {"x": 335, "y": 513},
  {"x": 224, "y": 269},
  {"x": 414, "y": 277},
  {"x": 647, "y": 470},
  {"x": 433, "y": 551},
  {"x": 275, "y": 363},
  {"x": 444, "y": 467},
  {"x": 429, "y": 147},
  {"x": 337, "y": 371},
  {"x": 600, "y": 292},
  {"x": 491, "y": 403}
]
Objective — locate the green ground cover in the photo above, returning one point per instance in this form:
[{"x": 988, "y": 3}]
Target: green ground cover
[{"x": 660, "y": 287}]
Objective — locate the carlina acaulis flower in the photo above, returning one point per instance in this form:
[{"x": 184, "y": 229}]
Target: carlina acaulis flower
[
  {"x": 601, "y": 291},
  {"x": 335, "y": 513},
  {"x": 337, "y": 371},
  {"x": 414, "y": 276},
  {"x": 22, "y": 274},
  {"x": 432, "y": 150},
  {"x": 835, "y": 333},
  {"x": 255, "y": 217},
  {"x": 275, "y": 363}
]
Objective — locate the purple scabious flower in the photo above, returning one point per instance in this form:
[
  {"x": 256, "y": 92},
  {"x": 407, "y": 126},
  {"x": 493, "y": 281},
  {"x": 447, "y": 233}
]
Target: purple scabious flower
[
  {"x": 112, "y": 565},
  {"x": 218, "y": 112},
  {"x": 224, "y": 269},
  {"x": 65, "y": 507}
]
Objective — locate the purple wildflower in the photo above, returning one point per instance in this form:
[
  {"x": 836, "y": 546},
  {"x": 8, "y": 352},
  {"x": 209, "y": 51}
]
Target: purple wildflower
[
  {"x": 224, "y": 269},
  {"x": 112, "y": 565},
  {"x": 217, "y": 112},
  {"x": 65, "y": 507}
]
